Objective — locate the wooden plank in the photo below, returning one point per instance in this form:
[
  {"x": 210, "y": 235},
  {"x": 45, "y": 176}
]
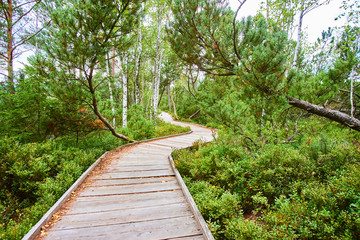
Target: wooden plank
[
  {"x": 147, "y": 167},
  {"x": 135, "y": 197},
  {"x": 149, "y": 147},
  {"x": 139, "y": 163},
  {"x": 131, "y": 181},
  {"x": 139, "y": 174},
  {"x": 148, "y": 230},
  {"x": 123, "y": 216},
  {"x": 172, "y": 145},
  {"x": 152, "y": 152},
  {"x": 175, "y": 140},
  {"x": 199, "y": 218},
  {"x": 132, "y": 189},
  {"x": 37, "y": 227},
  {"x": 118, "y": 202},
  {"x": 196, "y": 237},
  {"x": 140, "y": 158}
]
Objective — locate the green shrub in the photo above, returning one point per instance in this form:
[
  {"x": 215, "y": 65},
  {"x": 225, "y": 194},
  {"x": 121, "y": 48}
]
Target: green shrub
[
  {"x": 306, "y": 190},
  {"x": 34, "y": 175}
]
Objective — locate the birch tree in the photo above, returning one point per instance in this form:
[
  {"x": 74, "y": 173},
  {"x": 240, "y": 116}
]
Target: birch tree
[
  {"x": 14, "y": 20},
  {"x": 125, "y": 90},
  {"x": 111, "y": 72},
  {"x": 284, "y": 13},
  {"x": 81, "y": 35},
  {"x": 138, "y": 56},
  {"x": 158, "y": 62},
  {"x": 305, "y": 6}
]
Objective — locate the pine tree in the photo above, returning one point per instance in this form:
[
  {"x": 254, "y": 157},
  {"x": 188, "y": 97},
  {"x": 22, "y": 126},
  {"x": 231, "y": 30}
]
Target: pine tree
[
  {"x": 207, "y": 34},
  {"x": 82, "y": 34}
]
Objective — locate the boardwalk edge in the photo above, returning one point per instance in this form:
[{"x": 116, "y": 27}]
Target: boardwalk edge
[
  {"x": 197, "y": 215},
  {"x": 35, "y": 230}
]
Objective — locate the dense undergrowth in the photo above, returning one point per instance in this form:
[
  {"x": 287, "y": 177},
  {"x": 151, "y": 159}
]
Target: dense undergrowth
[
  {"x": 308, "y": 188},
  {"x": 34, "y": 175}
]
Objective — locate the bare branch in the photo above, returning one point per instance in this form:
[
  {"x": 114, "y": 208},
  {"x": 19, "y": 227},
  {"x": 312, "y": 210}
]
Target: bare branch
[
  {"x": 26, "y": 13},
  {"x": 16, "y": 45},
  {"x": 234, "y": 26}
]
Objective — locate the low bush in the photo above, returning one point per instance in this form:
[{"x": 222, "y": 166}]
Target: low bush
[
  {"x": 34, "y": 175},
  {"x": 308, "y": 189},
  {"x": 140, "y": 128}
]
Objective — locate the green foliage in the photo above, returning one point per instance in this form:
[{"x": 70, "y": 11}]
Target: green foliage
[
  {"x": 35, "y": 175},
  {"x": 41, "y": 109},
  {"x": 165, "y": 129},
  {"x": 305, "y": 190},
  {"x": 203, "y": 34},
  {"x": 140, "y": 128}
]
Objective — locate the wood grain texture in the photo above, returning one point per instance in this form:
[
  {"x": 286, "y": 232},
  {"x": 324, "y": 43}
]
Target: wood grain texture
[{"x": 135, "y": 194}]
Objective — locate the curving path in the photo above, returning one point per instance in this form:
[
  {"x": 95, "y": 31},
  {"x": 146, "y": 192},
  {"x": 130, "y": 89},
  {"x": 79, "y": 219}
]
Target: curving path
[{"x": 135, "y": 193}]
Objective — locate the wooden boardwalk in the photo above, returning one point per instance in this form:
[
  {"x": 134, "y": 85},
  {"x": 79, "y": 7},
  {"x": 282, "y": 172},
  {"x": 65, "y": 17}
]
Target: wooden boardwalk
[{"x": 135, "y": 194}]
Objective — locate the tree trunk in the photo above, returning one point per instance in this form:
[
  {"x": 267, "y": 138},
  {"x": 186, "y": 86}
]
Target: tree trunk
[
  {"x": 334, "y": 115},
  {"x": 10, "y": 41},
  {"x": 112, "y": 73},
  {"x": 169, "y": 96},
  {"x": 125, "y": 94},
  {"x": 194, "y": 114},
  {"x": 13, "y": 14},
  {"x": 352, "y": 76},
  {"x": 137, "y": 69},
  {"x": 157, "y": 67},
  {"x": 174, "y": 106},
  {"x": 298, "y": 43},
  {"x": 171, "y": 101},
  {"x": 94, "y": 106}
]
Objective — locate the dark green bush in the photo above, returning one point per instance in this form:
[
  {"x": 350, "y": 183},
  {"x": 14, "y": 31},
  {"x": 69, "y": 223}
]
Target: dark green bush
[
  {"x": 34, "y": 175},
  {"x": 306, "y": 190}
]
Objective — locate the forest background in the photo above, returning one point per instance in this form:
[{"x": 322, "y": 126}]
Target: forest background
[{"x": 286, "y": 162}]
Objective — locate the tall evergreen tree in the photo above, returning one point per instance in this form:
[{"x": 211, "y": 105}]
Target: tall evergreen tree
[{"x": 207, "y": 34}]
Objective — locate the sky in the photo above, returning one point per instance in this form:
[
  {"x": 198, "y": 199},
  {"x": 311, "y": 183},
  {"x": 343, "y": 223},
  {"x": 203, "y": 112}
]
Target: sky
[{"x": 314, "y": 22}]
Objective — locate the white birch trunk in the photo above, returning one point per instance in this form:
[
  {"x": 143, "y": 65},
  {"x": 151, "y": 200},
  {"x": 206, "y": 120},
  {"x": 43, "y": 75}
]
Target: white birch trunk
[
  {"x": 112, "y": 105},
  {"x": 125, "y": 93},
  {"x": 111, "y": 71},
  {"x": 352, "y": 76},
  {"x": 297, "y": 49},
  {"x": 267, "y": 10},
  {"x": 157, "y": 67},
  {"x": 137, "y": 69},
  {"x": 169, "y": 96}
]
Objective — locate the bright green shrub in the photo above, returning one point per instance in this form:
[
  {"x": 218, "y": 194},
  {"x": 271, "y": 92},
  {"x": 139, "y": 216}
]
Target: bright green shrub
[
  {"x": 34, "y": 175},
  {"x": 165, "y": 129},
  {"x": 306, "y": 190},
  {"x": 216, "y": 205},
  {"x": 138, "y": 126}
]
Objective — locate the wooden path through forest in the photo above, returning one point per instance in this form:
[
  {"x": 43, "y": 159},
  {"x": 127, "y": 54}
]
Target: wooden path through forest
[{"x": 133, "y": 193}]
